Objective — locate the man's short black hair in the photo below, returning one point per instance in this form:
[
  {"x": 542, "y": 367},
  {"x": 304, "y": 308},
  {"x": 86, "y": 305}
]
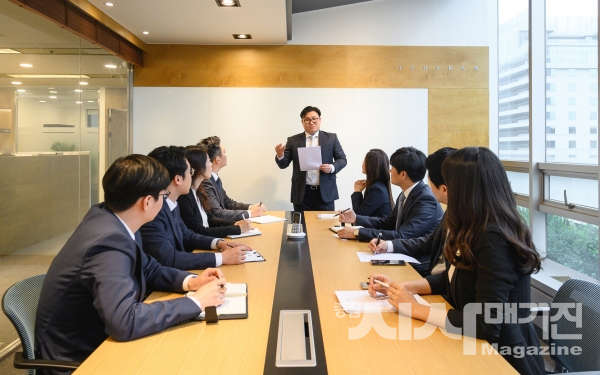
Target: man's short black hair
[
  {"x": 434, "y": 165},
  {"x": 309, "y": 109},
  {"x": 172, "y": 158},
  {"x": 212, "y": 146},
  {"x": 410, "y": 160},
  {"x": 133, "y": 177}
]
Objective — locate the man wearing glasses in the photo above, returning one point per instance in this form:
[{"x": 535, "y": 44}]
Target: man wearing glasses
[{"x": 313, "y": 190}]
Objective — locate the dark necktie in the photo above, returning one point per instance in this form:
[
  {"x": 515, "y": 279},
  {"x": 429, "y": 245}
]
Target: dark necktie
[{"x": 400, "y": 208}]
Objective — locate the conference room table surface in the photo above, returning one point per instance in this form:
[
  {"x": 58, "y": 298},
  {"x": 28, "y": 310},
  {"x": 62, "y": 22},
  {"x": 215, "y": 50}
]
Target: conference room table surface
[{"x": 240, "y": 346}]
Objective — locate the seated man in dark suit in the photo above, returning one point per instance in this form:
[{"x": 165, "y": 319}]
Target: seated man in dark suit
[
  {"x": 417, "y": 213},
  {"x": 95, "y": 286},
  {"x": 167, "y": 239},
  {"x": 220, "y": 204},
  {"x": 427, "y": 249}
]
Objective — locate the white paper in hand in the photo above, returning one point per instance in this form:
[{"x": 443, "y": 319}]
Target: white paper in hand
[{"x": 309, "y": 158}]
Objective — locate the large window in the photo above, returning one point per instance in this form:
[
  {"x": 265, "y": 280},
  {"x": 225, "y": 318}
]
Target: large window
[{"x": 549, "y": 145}]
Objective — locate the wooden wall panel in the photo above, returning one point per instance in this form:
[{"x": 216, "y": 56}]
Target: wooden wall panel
[
  {"x": 458, "y": 118},
  {"x": 457, "y": 77}
]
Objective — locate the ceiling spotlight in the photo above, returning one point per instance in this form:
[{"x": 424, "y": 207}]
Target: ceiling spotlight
[
  {"x": 52, "y": 97},
  {"x": 83, "y": 83},
  {"x": 90, "y": 101},
  {"x": 228, "y": 3},
  {"x": 20, "y": 90},
  {"x": 242, "y": 36},
  {"x": 110, "y": 4},
  {"x": 42, "y": 101},
  {"x": 16, "y": 83},
  {"x": 77, "y": 102},
  {"x": 78, "y": 90},
  {"x": 110, "y": 66},
  {"x": 53, "y": 92},
  {"x": 26, "y": 65},
  {"x": 145, "y": 32}
]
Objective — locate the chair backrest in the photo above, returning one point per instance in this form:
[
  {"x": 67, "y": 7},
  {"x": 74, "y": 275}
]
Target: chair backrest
[
  {"x": 20, "y": 305},
  {"x": 575, "y": 291}
]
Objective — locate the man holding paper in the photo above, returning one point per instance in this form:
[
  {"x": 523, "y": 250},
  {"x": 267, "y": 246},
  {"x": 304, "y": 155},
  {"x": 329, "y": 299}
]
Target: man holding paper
[{"x": 317, "y": 156}]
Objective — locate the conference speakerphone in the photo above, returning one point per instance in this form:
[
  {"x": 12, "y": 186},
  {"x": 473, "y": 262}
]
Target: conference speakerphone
[{"x": 295, "y": 230}]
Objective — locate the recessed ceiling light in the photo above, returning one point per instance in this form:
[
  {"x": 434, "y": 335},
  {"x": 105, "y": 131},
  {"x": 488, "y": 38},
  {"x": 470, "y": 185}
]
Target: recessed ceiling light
[
  {"x": 228, "y": 3},
  {"x": 47, "y": 76},
  {"x": 110, "y": 66},
  {"x": 110, "y": 4},
  {"x": 90, "y": 101},
  {"x": 53, "y": 92},
  {"x": 16, "y": 83},
  {"x": 242, "y": 36},
  {"x": 8, "y": 50},
  {"x": 145, "y": 32},
  {"x": 83, "y": 83},
  {"x": 77, "y": 102},
  {"x": 20, "y": 90},
  {"x": 42, "y": 101},
  {"x": 52, "y": 97},
  {"x": 24, "y": 65},
  {"x": 78, "y": 90}
]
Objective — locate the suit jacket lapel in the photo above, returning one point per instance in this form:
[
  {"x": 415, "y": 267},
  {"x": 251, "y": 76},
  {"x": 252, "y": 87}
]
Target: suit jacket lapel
[
  {"x": 411, "y": 198},
  {"x": 139, "y": 265},
  {"x": 174, "y": 225}
]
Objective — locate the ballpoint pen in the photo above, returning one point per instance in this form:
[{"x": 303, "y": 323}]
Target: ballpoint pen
[{"x": 341, "y": 212}]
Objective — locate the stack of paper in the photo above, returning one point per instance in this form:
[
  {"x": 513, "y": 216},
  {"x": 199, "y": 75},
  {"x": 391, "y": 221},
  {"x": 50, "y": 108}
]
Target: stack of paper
[
  {"x": 266, "y": 219},
  {"x": 367, "y": 257},
  {"x": 251, "y": 232}
]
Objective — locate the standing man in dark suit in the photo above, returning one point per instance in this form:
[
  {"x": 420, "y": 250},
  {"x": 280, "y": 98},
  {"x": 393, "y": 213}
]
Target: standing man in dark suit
[
  {"x": 428, "y": 249},
  {"x": 313, "y": 190},
  {"x": 95, "y": 286},
  {"x": 417, "y": 212},
  {"x": 167, "y": 239},
  {"x": 220, "y": 204}
]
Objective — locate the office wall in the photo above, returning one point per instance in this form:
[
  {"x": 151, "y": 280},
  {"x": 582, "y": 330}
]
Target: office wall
[{"x": 251, "y": 121}]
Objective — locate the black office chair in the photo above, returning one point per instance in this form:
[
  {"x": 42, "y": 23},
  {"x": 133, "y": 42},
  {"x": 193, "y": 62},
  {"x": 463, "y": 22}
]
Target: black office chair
[
  {"x": 588, "y": 294},
  {"x": 20, "y": 305}
]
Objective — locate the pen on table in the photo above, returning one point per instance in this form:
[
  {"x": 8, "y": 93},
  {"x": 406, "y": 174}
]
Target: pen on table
[{"x": 341, "y": 212}]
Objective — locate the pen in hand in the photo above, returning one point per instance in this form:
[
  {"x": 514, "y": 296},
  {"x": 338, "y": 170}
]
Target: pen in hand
[
  {"x": 377, "y": 243},
  {"x": 338, "y": 214}
]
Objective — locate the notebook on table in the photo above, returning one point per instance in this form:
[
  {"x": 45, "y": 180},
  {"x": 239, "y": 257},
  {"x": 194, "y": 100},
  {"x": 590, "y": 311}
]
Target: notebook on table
[
  {"x": 235, "y": 305},
  {"x": 251, "y": 232}
]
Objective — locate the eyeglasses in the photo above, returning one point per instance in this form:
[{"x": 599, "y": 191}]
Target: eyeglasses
[
  {"x": 165, "y": 195},
  {"x": 308, "y": 120}
]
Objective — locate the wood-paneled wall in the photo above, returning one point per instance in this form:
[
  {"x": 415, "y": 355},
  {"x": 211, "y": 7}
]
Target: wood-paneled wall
[{"x": 457, "y": 77}]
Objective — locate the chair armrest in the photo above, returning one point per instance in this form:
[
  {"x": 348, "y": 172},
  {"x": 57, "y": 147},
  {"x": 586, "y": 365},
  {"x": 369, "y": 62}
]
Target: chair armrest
[{"x": 38, "y": 364}]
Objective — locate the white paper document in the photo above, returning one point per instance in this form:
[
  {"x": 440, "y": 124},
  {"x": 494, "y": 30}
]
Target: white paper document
[
  {"x": 357, "y": 301},
  {"x": 253, "y": 256},
  {"x": 367, "y": 257},
  {"x": 309, "y": 158},
  {"x": 266, "y": 219},
  {"x": 337, "y": 229},
  {"x": 251, "y": 232}
]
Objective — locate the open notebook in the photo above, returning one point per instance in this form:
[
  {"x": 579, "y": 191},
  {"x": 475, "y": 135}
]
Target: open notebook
[
  {"x": 357, "y": 301},
  {"x": 235, "y": 305}
]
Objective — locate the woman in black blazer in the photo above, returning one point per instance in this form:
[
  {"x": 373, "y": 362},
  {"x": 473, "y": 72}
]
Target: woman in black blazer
[
  {"x": 378, "y": 200},
  {"x": 193, "y": 207},
  {"x": 489, "y": 259}
]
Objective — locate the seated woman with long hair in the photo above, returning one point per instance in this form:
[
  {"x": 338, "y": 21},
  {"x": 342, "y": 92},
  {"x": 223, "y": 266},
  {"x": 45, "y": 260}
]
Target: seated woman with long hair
[
  {"x": 377, "y": 200},
  {"x": 193, "y": 207},
  {"x": 490, "y": 257}
]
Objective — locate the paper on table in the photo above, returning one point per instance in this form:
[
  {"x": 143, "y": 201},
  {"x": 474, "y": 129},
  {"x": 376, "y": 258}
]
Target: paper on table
[
  {"x": 266, "y": 219},
  {"x": 251, "y": 232},
  {"x": 338, "y": 237},
  {"x": 328, "y": 216},
  {"x": 253, "y": 256},
  {"x": 356, "y": 301},
  {"x": 235, "y": 300},
  {"x": 309, "y": 158},
  {"x": 337, "y": 229},
  {"x": 367, "y": 257}
]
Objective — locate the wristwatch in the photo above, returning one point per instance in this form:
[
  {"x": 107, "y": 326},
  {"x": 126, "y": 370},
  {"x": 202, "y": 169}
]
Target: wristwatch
[
  {"x": 356, "y": 233},
  {"x": 217, "y": 244}
]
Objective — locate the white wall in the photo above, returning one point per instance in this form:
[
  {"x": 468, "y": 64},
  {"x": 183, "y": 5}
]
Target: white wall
[
  {"x": 251, "y": 121},
  {"x": 396, "y": 23}
]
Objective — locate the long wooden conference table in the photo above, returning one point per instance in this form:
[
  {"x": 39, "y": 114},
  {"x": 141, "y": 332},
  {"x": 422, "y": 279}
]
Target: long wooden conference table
[{"x": 297, "y": 274}]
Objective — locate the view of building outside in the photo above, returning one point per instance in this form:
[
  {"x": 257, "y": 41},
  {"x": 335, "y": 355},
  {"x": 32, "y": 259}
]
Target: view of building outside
[{"x": 571, "y": 114}]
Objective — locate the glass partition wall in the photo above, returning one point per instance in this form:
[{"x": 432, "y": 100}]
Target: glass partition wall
[{"x": 63, "y": 118}]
